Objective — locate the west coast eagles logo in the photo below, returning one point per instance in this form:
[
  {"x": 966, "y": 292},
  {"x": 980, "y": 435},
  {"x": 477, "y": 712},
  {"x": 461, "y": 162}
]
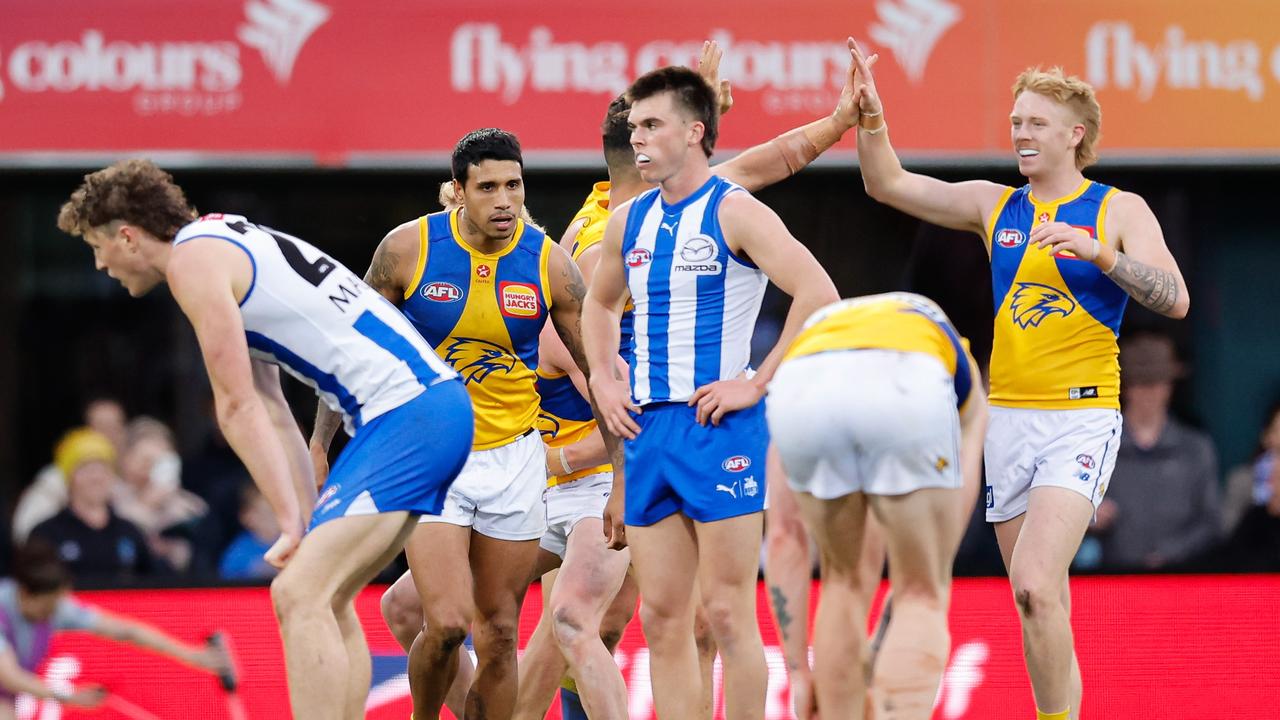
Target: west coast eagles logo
[
  {"x": 548, "y": 426},
  {"x": 476, "y": 359},
  {"x": 1033, "y": 302}
]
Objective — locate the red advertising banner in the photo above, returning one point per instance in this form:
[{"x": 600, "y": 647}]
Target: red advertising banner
[
  {"x": 345, "y": 82},
  {"x": 1169, "y": 647}
]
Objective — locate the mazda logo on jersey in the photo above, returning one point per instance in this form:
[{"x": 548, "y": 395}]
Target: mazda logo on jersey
[
  {"x": 518, "y": 300},
  {"x": 737, "y": 463},
  {"x": 1010, "y": 238},
  {"x": 638, "y": 257},
  {"x": 698, "y": 248},
  {"x": 442, "y": 292}
]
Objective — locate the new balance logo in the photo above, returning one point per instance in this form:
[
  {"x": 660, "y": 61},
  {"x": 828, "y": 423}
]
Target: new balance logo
[
  {"x": 910, "y": 28},
  {"x": 731, "y": 489},
  {"x": 278, "y": 29}
]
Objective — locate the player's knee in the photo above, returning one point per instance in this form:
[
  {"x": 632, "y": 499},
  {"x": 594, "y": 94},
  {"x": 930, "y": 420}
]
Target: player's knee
[
  {"x": 569, "y": 624},
  {"x": 1035, "y": 599},
  {"x": 289, "y": 596},
  {"x": 659, "y": 619},
  {"x": 720, "y": 620},
  {"x": 400, "y": 615},
  {"x": 497, "y": 637}
]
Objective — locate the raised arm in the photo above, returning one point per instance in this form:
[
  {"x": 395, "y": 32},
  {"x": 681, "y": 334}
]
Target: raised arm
[
  {"x": 960, "y": 206},
  {"x": 200, "y": 275},
  {"x": 391, "y": 273},
  {"x": 787, "y": 154},
  {"x": 752, "y": 229}
]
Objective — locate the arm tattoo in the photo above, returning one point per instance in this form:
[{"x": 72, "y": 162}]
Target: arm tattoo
[
  {"x": 571, "y": 333},
  {"x": 381, "y": 274},
  {"x": 1154, "y": 288}
]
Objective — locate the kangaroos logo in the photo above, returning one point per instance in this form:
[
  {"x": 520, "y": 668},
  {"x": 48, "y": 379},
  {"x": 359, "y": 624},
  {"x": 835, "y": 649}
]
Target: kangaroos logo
[
  {"x": 1033, "y": 302},
  {"x": 476, "y": 359}
]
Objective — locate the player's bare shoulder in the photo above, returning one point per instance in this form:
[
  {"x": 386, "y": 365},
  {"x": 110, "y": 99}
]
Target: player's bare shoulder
[{"x": 396, "y": 260}]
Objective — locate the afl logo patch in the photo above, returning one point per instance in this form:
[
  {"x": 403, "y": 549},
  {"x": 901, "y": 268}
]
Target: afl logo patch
[
  {"x": 638, "y": 257},
  {"x": 1010, "y": 238},
  {"x": 1086, "y": 461},
  {"x": 518, "y": 300},
  {"x": 737, "y": 463},
  {"x": 442, "y": 292},
  {"x": 698, "y": 248},
  {"x": 328, "y": 494}
]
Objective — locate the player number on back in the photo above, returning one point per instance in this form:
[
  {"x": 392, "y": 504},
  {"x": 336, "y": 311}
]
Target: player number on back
[{"x": 313, "y": 272}]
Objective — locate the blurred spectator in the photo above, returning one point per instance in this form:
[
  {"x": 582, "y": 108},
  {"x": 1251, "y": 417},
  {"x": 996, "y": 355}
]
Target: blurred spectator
[
  {"x": 151, "y": 495},
  {"x": 1162, "y": 508},
  {"x": 1249, "y": 485},
  {"x": 1251, "y": 512},
  {"x": 107, "y": 416},
  {"x": 47, "y": 494},
  {"x": 89, "y": 537},
  {"x": 243, "y": 558}
]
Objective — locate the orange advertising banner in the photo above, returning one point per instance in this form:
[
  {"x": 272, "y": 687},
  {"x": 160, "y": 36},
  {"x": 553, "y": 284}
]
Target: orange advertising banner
[{"x": 347, "y": 82}]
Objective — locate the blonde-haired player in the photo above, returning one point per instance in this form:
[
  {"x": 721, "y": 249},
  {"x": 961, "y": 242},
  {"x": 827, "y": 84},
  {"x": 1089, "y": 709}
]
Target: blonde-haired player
[
  {"x": 878, "y": 406},
  {"x": 1066, "y": 254}
]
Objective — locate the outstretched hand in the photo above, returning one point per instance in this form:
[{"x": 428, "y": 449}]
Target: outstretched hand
[
  {"x": 847, "y": 110},
  {"x": 709, "y": 69},
  {"x": 862, "y": 81}
]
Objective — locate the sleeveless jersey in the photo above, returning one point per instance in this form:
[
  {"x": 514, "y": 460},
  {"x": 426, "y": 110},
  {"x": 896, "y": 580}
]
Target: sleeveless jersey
[
  {"x": 323, "y": 325},
  {"x": 1057, "y": 317},
  {"x": 892, "y": 321},
  {"x": 565, "y": 418},
  {"x": 696, "y": 302},
  {"x": 483, "y": 313}
]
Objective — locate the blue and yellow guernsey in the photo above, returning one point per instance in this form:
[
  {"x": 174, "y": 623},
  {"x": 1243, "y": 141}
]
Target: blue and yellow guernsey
[
  {"x": 564, "y": 419},
  {"x": 1057, "y": 316},
  {"x": 904, "y": 322},
  {"x": 482, "y": 313},
  {"x": 595, "y": 216}
]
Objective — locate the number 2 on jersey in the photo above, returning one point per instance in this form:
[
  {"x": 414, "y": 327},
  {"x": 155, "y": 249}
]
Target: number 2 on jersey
[{"x": 313, "y": 272}]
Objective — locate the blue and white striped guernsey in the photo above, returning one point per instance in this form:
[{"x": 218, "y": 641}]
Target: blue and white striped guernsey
[
  {"x": 323, "y": 325},
  {"x": 695, "y": 301}
]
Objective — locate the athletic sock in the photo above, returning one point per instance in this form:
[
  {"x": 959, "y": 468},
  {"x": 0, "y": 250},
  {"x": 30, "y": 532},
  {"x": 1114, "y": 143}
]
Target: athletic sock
[
  {"x": 571, "y": 705},
  {"x": 1064, "y": 715}
]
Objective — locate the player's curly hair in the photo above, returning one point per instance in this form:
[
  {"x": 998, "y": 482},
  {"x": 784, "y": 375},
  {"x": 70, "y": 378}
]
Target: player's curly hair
[
  {"x": 1077, "y": 95},
  {"x": 135, "y": 191},
  {"x": 691, "y": 93}
]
